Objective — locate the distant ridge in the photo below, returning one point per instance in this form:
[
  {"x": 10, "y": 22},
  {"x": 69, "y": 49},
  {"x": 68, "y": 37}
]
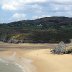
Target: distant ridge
[
  {"x": 41, "y": 18},
  {"x": 42, "y": 30}
]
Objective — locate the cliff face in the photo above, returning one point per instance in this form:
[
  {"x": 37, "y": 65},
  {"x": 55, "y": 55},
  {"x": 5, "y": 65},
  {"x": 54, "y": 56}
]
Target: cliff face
[{"x": 47, "y": 29}]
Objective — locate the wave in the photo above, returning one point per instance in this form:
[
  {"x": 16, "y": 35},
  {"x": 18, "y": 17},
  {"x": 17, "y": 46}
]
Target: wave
[{"x": 24, "y": 64}]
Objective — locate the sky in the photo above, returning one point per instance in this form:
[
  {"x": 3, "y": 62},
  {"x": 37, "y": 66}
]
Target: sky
[{"x": 15, "y": 10}]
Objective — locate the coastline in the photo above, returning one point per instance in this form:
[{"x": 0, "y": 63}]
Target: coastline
[
  {"x": 23, "y": 63},
  {"x": 38, "y": 59}
]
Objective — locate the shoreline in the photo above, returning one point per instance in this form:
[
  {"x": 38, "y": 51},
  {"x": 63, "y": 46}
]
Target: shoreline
[
  {"x": 26, "y": 65},
  {"x": 37, "y": 59},
  {"x": 23, "y": 63}
]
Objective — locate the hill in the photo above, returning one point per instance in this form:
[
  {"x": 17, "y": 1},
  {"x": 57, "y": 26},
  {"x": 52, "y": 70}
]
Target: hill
[{"x": 42, "y": 30}]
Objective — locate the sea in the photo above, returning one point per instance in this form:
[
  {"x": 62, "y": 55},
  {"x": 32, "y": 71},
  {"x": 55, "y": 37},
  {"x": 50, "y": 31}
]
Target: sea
[{"x": 6, "y": 66}]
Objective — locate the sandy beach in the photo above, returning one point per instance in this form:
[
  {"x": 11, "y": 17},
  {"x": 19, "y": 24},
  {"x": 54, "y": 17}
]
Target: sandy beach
[{"x": 35, "y": 59}]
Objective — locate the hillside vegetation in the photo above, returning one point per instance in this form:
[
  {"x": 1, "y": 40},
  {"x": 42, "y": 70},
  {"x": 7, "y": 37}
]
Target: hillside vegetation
[{"x": 43, "y": 30}]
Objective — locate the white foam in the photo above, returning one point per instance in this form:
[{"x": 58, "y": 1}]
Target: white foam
[
  {"x": 23, "y": 63},
  {"x": 2, "y": 60},
  {"x": 20, "y": 66}
]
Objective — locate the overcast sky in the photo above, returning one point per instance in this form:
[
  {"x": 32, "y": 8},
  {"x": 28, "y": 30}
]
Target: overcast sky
[{"x": 14, "y": 10}]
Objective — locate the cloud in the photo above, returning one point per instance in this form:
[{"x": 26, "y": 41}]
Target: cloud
[
  {"x": 8, "y": 7},
  {"x": 64, "y": 2},
  {"x": 35, "y": 5},
  {"x": 32, "y": 9},
  {"x": 11, "y": 5},
  {"x": 18, "y": 16},
  {"x": 16, "y": 4}
]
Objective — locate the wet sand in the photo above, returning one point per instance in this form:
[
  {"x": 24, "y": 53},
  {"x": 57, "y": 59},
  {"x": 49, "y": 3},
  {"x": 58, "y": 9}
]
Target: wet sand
[{"x": 40, "y": 59}]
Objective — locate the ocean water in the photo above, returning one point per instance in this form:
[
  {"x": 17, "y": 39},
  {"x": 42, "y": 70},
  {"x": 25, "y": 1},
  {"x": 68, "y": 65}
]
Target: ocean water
[{"x": 6, "y": 66}]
